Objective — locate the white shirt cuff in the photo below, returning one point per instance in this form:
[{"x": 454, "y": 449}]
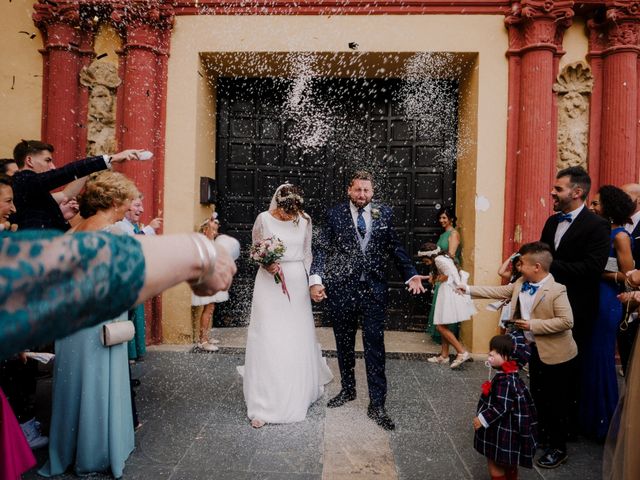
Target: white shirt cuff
[
  {"x": 483, "y": 421},
  {"x": 315, "y": 280},
  {"x": 149, "y": 230},
  {"x": 107, "y": 160},
  {"x": 407, "y": 282}
]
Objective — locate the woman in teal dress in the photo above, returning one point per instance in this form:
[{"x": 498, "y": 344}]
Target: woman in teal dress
[
  {"x": 91, "y": 422},
  {"x": 449, "y": 241}
]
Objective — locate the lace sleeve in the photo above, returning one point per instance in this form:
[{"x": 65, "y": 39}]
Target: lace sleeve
[
  {"x": 308, "y": 238},
  {"x": 54, "y": 284},
  {"x": 257, "y": 233}
]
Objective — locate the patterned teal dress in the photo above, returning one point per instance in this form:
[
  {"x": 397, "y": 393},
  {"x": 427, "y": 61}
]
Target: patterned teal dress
[
  {"x": 52, "y": 285},
  {"x": 443, "y": 243}
]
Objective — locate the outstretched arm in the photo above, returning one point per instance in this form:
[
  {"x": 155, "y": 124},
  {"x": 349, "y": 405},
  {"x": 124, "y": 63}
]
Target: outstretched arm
[
  {"x": 403, "y": 261},
  {"x": 57, "y": 284}
]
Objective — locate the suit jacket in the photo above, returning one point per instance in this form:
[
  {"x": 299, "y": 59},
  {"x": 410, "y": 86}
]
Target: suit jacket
[
  {"x": 338, "y": 258},
  {"x": 635, "y": 235},
  {"x": 551, "y": 317},
  {"x": 578, "y": 263},
  {"x": 36, "y": 209}
]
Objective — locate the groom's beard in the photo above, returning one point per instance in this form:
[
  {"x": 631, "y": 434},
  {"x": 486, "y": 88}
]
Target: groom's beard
[{"x": 361, "y": 204}]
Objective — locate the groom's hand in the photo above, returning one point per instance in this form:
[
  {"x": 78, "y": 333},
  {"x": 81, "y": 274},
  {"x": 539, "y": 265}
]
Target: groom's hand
[
  {"x": 317, "y": 293},
  {"x": 414, "y": 285}
]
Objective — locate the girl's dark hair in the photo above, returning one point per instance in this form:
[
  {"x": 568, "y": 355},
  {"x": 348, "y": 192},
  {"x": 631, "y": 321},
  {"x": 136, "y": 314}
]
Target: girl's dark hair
[
  {"x": 617, "y": 206},
  {"x": 290, "y": 199},
  {"x": 428, "y": 246},
  {"x": 502, "y": 344},
  {"x": 449, "y": 212},
  {"x": 4, "y": 162}
]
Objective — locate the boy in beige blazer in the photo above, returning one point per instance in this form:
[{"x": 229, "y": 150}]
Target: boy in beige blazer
[{"x": 542, "y": 310}]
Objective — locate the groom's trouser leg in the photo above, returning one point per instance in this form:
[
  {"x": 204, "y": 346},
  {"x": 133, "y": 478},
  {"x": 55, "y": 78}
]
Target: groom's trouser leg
[
  {"x": 374, "y": 353},
  {"x": 345, "y": 326}
]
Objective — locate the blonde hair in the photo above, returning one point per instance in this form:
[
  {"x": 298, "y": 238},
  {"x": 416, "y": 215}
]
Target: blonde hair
[{"x": 103, "y": 190}]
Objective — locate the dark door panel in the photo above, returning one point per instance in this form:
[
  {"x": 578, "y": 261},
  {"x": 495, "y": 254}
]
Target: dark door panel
[{"x": 258, "y": 149}]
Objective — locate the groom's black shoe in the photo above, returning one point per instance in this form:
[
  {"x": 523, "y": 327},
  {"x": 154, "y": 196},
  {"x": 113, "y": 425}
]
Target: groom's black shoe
[
  {"x": 343, "y": 397},
  {"x": 381, "y": 417}
]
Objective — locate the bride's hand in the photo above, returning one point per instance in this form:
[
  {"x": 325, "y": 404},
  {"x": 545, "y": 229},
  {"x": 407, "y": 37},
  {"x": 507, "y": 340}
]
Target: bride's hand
[{"x": 272, "y": 268}]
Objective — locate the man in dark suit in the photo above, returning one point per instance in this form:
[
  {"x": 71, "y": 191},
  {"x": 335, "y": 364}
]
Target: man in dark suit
[
  {"x": 629, "y": 329},
  {"x": 36, "y": 207},
  {"x": 349, "y": 260},
  {"x": 579, "y": 241}
]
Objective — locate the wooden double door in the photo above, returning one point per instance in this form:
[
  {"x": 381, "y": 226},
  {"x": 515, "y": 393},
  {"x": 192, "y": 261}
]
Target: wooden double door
[{"x": 337, "y": 127}]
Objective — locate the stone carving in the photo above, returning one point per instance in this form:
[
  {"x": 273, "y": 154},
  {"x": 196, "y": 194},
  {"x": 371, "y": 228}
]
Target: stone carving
[
  {"x": 573, "y": 87},
  {"x": 101, "y": 78}
]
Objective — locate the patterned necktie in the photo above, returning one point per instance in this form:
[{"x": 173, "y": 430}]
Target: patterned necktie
[
  {"x": 529, "y": 288},
  {"x": 564, "y": 217},
  {"x": 362, "y": 226}
]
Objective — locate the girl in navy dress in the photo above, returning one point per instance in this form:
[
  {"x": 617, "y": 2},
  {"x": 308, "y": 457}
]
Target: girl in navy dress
[{"x": 505, "y": 424}]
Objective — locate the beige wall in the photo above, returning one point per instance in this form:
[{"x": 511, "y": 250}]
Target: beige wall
[
  {"x": 20, "y": 99},
  {"x": 483, "y": 116}
]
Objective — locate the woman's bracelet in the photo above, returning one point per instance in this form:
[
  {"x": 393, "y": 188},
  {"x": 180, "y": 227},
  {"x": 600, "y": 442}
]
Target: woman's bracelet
[{"x": 207, "y": 254}]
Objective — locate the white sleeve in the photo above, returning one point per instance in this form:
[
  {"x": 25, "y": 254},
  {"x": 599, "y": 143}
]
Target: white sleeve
[
  {"x": 148, "y": 230},
  {"x": 257, "y": 233},
  {"x": 308, "y": 236}
]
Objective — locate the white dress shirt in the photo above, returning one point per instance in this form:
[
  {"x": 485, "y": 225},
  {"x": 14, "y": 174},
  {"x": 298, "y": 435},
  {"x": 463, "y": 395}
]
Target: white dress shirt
[
  {"x": 564, "y": 226},
  {"x": 526, "y": 305}
]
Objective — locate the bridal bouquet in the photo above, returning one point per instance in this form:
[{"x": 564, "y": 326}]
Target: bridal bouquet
[{"x": 268, "y": 251}]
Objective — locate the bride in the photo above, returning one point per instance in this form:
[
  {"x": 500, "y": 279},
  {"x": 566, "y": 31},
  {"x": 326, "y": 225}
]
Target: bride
[{"x": 284, "y": 372}]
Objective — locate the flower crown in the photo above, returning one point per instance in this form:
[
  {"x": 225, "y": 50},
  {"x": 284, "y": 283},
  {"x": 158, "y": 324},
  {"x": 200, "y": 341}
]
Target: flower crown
[
  {"x": 289, "y": 196},
  {"x": 429, "y": 253}
]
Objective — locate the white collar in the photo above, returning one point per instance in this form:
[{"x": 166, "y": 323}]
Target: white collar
[
  {"x": 541, "y": 282},
  {"x": 576, "y": 212},
  {"x": 354, "y": 209}
]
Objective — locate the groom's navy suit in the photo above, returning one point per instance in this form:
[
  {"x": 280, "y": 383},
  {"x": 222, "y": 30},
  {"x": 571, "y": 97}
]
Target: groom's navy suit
[{"x": 354, "y": 277}]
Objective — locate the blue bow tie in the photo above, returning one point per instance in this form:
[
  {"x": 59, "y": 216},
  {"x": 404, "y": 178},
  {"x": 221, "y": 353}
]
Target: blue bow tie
[
  {"x": 528, "y": 287},
  {"x": 564, "y": 217}
]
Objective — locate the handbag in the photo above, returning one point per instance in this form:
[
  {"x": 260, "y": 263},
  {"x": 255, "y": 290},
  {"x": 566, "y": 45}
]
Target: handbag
[{"x": 116, "y": 333}]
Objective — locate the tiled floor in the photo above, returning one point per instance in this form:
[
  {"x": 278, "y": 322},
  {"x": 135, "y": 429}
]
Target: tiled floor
[{"x": 195, "y": 427}]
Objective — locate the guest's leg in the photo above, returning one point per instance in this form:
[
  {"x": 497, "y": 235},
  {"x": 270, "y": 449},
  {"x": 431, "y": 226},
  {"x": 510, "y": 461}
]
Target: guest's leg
[
  {"x": 559, "y": 389},
  {"x": 374, "y": 351},
  {"x": 537, "y": 380},
  {"x": 205, "y": 321},
  {"x": 449, "y": 338}
]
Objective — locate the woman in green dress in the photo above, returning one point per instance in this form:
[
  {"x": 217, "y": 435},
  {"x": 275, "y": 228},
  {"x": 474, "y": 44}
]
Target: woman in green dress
[{"x": 449, "y": 241}]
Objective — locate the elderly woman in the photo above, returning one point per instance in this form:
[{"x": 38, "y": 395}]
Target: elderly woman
[{"x": 91, "y": 423}]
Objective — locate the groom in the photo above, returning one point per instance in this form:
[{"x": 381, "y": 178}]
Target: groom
[{"x": 349, "y": 260}]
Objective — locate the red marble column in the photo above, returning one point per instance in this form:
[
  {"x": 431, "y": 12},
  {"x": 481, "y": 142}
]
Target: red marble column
[
  {"x": 614, "y": 52},
  {"x": 59, "y": 25},
  {"x": 536, "y": 29},
  {"x": 145, "y": 27}
]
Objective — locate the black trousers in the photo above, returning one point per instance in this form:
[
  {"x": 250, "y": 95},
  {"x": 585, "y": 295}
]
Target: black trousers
[
  {"x": 552, "y": 389},
  {"x": 344, "y": 315},
  {"x": 18, "y": 381}
]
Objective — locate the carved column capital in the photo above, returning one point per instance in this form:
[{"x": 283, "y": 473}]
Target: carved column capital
[
  {"x": 143, "y": 24},
  {"x": 538, "y": 24},
  {"x": 47, "y": 14},
  {"x": 618, "y": 30}
]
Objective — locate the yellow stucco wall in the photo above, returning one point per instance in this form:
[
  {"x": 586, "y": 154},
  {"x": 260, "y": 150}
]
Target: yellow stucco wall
[
  {"x": 20, "y": 76},
  {"x": 483, "y": 116}
]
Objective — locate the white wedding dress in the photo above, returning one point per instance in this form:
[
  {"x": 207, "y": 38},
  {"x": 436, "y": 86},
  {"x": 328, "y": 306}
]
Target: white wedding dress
[{"x": 284, "y": 371}]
